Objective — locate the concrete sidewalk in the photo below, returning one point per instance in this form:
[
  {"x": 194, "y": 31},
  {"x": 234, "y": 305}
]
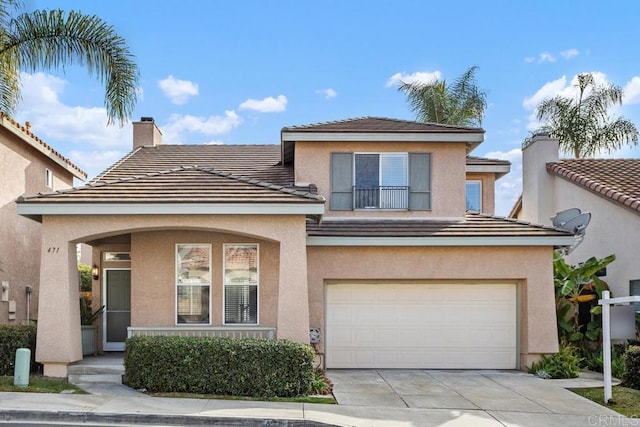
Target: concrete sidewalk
[{"x": 536, "y": 403}]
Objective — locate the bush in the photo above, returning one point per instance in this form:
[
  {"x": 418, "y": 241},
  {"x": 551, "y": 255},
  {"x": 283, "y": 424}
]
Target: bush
[
  {"x": 13, "y": 337},
  {"x": 85, "y": 277},
  {"x": 595, "y": 361},
  {"x": 564, "y": 364},
  {"x": 632, "y": 375},
  {"x": 222, "y": 366}
]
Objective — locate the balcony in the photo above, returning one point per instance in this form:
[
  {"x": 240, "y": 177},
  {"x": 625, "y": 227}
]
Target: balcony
[{"x": 384, "y": 197}]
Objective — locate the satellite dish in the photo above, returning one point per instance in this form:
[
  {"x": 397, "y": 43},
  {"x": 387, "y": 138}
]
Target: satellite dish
[
  {"x": 578, "y": 224},
  {"x": 564, "y": 216}
]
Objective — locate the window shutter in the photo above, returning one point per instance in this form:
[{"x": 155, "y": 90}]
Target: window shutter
[
  {"x": 420, "y": 181},
  {"x": 341, "y": 182}
]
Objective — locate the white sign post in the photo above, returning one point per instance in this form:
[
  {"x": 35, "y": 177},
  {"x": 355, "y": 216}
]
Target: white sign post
[{"x": 606, "y": 302}]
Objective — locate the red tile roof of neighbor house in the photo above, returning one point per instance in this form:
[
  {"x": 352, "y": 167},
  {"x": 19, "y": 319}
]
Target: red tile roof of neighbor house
[
  {"x": 474, "y": 225},
  {"x": 24, "y": 133},
  {"x": 380, "y": 124},
  {"x": 617, "y": 180}
]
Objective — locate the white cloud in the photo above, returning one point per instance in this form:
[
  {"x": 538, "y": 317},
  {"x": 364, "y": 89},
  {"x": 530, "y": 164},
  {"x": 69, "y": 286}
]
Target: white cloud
[
  {"x": 530, "y": 59},
  {"x": 632, "y": 91},
  {"x": 178, "y": 91},
  {"x": 509, "y": 187},
  {"x": 51, "y": 119},
  {"x": 546, "y": 57},
  {"x": 423, "y": 77},
  {"x": 213, "y": 125},
  {"x": 569, "y": 53},
  {"x": 327, "y": 93},
  {"x": 214, "y": 143},
  {"x": 548, "y": 90},
  {"x": 266, "y": 105}
]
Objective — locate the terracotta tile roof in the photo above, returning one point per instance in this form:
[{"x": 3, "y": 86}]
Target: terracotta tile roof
[
  {"x": 257, "y": 161},
  {"x": 24, "y": 133},
  {"x": 188, "y": 184},
  {"x": 474, "y": 225},
  {"x": 617, "y": 180},
  {"x": 379, "y": 124}
]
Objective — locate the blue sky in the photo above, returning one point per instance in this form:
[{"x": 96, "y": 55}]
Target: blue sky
[{"x": 236, "y": 72}]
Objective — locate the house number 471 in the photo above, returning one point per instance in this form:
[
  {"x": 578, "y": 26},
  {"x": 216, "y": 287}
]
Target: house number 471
[{"x": 53, "y": 250}]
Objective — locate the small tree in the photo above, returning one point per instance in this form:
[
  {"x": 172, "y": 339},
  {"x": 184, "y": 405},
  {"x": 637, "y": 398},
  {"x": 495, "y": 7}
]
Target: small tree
[
  {"x": 85, "y": 277},
  {"x": 575, "y": 285}
]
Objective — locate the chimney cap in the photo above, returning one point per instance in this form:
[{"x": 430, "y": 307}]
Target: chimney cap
[{"x": 146, "y": 119}]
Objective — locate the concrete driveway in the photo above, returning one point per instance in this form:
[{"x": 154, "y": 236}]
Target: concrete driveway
[{"x": 493, "y": 397}]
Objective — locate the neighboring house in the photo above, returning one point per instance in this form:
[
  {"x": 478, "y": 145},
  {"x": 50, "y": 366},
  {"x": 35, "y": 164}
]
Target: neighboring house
[
  {"x": 609, "y": 189},
  {"x": 27, "y": 165},
  {"x": 357, "y": 228}
]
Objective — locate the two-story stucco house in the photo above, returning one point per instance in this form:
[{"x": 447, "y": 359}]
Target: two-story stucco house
[
  {"x": 27, "y": 166},
  {"x": 358, "y": 229},
  {"x": 608, "y": 189}
]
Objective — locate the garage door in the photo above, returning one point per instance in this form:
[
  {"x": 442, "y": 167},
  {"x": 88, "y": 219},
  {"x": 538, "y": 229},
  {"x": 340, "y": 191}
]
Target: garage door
[{"x": 439, "y": 326}]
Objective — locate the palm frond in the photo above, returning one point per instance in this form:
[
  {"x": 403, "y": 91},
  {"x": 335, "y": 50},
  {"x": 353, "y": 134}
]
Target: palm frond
[{"x": 55, "y": 39}]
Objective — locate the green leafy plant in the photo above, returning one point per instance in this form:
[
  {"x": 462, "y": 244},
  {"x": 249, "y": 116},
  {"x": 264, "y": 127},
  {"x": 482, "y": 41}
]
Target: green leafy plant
[
  {"x": 85, "y": 277},
  {"x": 595, "y": 361},
  {"x": 320, "y": 384},
  {"x": 219, "y": 366},
  {"x": 575, "y": 285},
  {"x": 564, "y": 364},
  {"x": 13, "y": 337},
  {"x": 87, "y": 316},
  {"x": 632, "y": 359}
]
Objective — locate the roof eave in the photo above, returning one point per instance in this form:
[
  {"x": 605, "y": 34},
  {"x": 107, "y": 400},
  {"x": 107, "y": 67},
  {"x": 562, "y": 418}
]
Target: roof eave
[
  {"x": 555, "y": 241},
  {"x": 498, "y": 170}
]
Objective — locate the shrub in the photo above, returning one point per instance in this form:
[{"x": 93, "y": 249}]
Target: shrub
[
  {"x": 13, "y": 337},
  {"x": 632, "y": 375},
  {"x": 564, "y": 364},
  {"x": 595, "y": 361},
  {"x": 85, "y": 277},
  {"x": 222, "y": 366}
]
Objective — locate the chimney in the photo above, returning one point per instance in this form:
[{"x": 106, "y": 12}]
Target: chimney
[
  {"x": 146, "y": 133},
  {"x": 538, "y": 190}
]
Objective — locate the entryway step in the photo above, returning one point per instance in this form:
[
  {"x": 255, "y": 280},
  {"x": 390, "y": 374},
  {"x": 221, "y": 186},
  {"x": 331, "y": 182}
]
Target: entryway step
[{"x": 95, "y": 378}]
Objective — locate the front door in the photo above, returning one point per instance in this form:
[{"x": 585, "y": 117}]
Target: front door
[{"x": 117, "y": 314}]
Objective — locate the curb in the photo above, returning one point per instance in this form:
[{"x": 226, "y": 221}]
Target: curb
[{"x": 80, "y": 417}]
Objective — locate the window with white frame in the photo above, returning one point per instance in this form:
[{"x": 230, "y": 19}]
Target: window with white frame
[
  {"x": 193, "y": 283},
  {"x": 48, "y": 178},
  {"x": 634, "y": 290},
  {"x": 474, "y": 195},
  {"x": 241, "y": 284},
  {"x": 381, "y": 181}
]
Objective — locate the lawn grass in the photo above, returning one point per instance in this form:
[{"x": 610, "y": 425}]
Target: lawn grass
[
  {"x": 625, "y": 400},
  {"x": 38, "y": 384},
  {"x": 329, "y": 400}
]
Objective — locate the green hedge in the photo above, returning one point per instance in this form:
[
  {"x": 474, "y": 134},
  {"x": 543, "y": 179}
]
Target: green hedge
[
  {"x": 13, "y": 337},
  {"x": 632, "y": 375},
  {"x": 222, "y": 366}
]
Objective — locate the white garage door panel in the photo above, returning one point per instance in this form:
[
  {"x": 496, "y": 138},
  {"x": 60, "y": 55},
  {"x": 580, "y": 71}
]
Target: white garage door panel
[{"x": 448, "y": 326}]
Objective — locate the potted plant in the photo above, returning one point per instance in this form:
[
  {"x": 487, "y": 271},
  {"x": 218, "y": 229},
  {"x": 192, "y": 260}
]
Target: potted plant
[{"x": 89, "y": 330}]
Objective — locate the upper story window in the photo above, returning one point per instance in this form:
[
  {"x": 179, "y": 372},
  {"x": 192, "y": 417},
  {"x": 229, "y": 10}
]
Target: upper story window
[
  {"x": 380, "y": 181},
  {"x": 474, "y": 196},
  {"x": 193, "y": 283},
  {"x": 48, "y": 178}
]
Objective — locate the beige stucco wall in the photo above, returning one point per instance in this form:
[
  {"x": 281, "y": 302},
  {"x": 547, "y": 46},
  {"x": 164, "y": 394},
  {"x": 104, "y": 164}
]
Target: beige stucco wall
[
  {"x": 530, "y": 267},
  {"x": 612, "y": 230},
  {"x": 59, "y": 325},
  {"x": 488, "y": 190},
  {"x": 153, "y": 276},
  {"x": 448, "y": 162},
  {"x": 22, "y": 170}
]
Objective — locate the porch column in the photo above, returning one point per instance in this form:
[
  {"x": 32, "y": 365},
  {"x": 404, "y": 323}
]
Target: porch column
[
  {"x": 293, "y": 294},
  {"x": 58, "y": 341}
]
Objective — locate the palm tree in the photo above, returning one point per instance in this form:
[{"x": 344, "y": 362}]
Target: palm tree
[
  {"x": 54, "y": 39},
  {"x": 458, "y": 104},
  {"x": 582, "y": 125}
]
